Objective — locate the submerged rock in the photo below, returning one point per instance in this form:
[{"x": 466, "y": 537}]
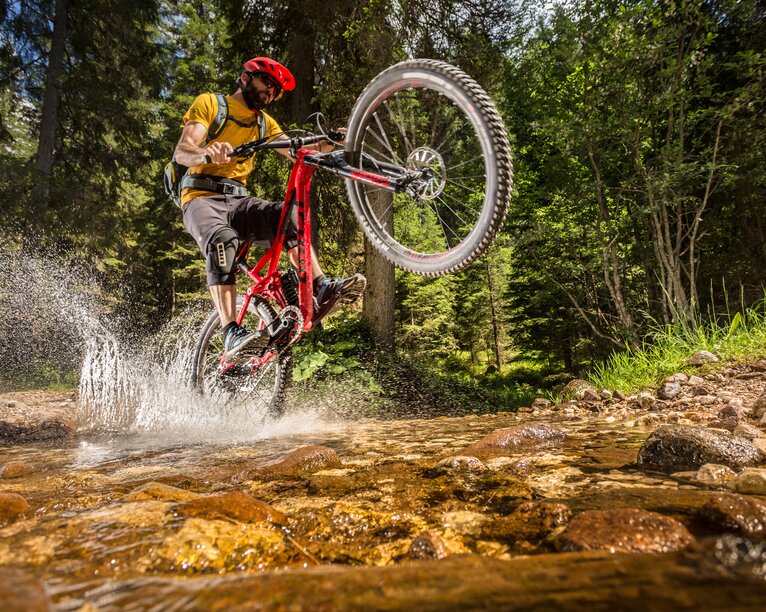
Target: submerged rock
[
  {"x": 531, "y": 523},
  {"x": 714, "y": 474},
  {"x": 624, "y": 530},
  {"x": 16, "y": 469},
  {"x": 519, "y": 437},
  {"x": 675, "y": 448},
  {"x": 161, "y": 492},
  {"x": 731, "y": 512},
  {"x": 12, "y": 506},
  {"x": 232, "y": 505},
  {"x": 300, "y": 462},
  {"x": 22, "y": 591},
  {"x": 461, "y": 463}
]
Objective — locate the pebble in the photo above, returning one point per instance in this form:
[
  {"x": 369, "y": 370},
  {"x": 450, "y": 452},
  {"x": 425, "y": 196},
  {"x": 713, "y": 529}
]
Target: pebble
[
  {"x": 606, "y": 394},
  {"x": 427, "y": 545},
  {"x": 669, "y": 391},
  {"x": 646, "y": 400},
  {"x": 751, "y": 481},
  {"x": 542, "y": 403},
  {"x": 462, "y": 463},
  {"x": 678, "y": 377},
  {"x": 712, "y": 473},
  {"x": 700, "y": 390},
  {"x": 695, "y": 380},
  {"x": 759, "y": 406},
  {"x": 16, "y": 469},
  {"x": 12, "y": 506}
]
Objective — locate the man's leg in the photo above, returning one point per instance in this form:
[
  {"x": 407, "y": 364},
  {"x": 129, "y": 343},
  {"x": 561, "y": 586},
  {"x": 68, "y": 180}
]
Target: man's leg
[{"x": 225, "y": 300}]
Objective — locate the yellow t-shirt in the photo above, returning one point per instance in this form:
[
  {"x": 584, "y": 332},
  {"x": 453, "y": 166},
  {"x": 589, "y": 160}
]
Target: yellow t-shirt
[{"x": 203, "y": 110}]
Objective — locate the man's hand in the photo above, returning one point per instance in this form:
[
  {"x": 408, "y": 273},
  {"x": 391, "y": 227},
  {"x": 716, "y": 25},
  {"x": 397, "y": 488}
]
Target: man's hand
[{"x": 218, "y": 152}]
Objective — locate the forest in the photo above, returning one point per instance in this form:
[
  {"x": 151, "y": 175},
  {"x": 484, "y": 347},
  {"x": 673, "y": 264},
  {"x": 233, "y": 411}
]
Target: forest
[{"x": 638, "y": 135}]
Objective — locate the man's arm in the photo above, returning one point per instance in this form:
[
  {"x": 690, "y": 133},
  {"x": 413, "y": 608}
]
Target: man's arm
[{"x": 189, "y": 153}]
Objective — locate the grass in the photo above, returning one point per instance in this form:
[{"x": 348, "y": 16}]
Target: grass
[{"x": 731, "y": 338}]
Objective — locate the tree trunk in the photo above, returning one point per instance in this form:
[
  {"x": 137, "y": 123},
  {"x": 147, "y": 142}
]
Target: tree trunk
[
  {"x": 493, "y": 315},
  {"x": 49, "y": 123},
  {"x": 379, "y": 296}
]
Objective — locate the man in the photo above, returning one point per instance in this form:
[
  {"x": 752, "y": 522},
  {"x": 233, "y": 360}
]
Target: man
[{"x": 217, "y": 211}]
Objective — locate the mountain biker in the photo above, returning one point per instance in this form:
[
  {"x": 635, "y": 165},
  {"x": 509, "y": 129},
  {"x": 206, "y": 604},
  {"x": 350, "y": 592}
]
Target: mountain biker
[{"x": 217, "y": 211}]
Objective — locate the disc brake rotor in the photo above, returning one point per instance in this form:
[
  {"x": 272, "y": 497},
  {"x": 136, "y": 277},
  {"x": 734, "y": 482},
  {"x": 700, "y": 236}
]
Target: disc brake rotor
[{"x": 425, "y": 158}]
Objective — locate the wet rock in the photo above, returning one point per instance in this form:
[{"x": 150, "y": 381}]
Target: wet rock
[
  {"x": 301, "y": 462},
  {"x": 714, "y": 474},
  {"x": 675, "y": 448},
  {"x": 160, "y": 492},
  {"x": 701, "y": 358},
  {"x": 760, "y": 444},
  {"x": 232, "y": 505},
  {"x": 729, "y": 424},
  {"x": 21, "y": 423},
  {"x": 752, "y": 481},
  {"x": 731, "y": 512},
  {"x": 646, "y": 400},
  {"x": 648, "y": 421},
  {"x": 12, "y": 506},
  {"x": 464, "y": 522},
  {"x": 22, "y": 591},
  {"x": 428, "y": 545},
  {"x": 519, "y": 437},
  {"x": 700, "y": 390},
  {"x": 669, "y": 391},
  {"x": 16, "y": 469},
  {"x": 461, "y": 463},
  {"x": 573, "y": 386},
  {"x": 202, "y": 545},
  {"x": 528, "y": 525},
  {"x": 745, "y": 430},
  {"x": 541, "y": 403},
  {"x": 728, "y": 412},
  {"x": 759, "y": 406},
  {"x": 624, "y": 530}
]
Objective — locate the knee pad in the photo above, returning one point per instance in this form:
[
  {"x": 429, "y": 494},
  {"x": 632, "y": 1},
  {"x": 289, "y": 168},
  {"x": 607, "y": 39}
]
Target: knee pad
[{"x": 222, "y": 250}]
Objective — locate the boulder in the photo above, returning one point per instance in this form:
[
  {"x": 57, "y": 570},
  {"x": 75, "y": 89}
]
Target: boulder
[
  {"x": 12, "y": 506},
  {"x": 676, "y": 448},
  {"x": 519, "y": 437},
  {"x": 233, "y": 505},
  {"x": 623, "y": 530},
  {"x": 731, "y": 512}
]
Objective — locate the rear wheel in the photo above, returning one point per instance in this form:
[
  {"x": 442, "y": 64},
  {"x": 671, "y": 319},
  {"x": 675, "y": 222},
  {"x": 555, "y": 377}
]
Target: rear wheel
[
  {"x": 260, "y": 390},
  {"x": 425, "y": 115}
]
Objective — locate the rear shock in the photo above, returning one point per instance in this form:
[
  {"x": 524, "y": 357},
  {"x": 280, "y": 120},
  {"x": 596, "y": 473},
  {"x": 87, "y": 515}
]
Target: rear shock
[{"x": 289, "y": 281}]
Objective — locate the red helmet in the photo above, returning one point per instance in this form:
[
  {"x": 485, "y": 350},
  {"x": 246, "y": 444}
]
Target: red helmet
[{"x": 274, "y": 69}]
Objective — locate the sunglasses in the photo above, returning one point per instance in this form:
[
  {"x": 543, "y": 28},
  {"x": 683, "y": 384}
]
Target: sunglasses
[{"x": 268, "y": 81}]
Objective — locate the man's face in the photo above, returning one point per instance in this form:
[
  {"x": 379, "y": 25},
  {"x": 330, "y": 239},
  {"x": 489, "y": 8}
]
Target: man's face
[{"x": 263, "y": 88}]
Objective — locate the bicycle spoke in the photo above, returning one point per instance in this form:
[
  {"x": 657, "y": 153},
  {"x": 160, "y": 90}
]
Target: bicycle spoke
[
  {"x": 394, "y": 156},
  {"x": 451, "y": 209},
  {"x": 468, "y": 161}
]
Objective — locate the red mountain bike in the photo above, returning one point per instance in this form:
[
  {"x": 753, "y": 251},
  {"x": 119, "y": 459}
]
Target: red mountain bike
[{"x": 428, "y": 172}]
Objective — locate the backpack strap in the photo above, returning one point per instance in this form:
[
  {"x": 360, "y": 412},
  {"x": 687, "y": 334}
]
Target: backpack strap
[{"x": 219, "y": 121}]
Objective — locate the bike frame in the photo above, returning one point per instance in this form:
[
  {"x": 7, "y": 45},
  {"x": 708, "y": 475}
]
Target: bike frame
[{"x": 268, "y": 285}]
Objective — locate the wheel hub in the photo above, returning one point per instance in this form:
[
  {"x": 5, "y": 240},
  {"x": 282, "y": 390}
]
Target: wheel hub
[{"x": 434, "y": 180}]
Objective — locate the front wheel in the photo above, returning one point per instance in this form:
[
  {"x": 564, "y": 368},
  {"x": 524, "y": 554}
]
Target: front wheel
[
  {"x": 261, "y": 391},
  {"x": 427, "y": 115}
]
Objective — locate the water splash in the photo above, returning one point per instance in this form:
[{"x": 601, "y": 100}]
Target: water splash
[{"x": 54, "y": 314}]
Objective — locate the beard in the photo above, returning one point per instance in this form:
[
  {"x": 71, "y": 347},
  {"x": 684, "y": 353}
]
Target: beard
[{"x": 254, "y": 98}]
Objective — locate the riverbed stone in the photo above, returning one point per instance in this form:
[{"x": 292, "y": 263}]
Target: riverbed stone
[
  {"x": 714, "y": 474},
  {"x": 624, "y": 530},
  {"x": 669, "y": 391},
  {"x": 16, "y": 469},
  {"x": 12, "y": 506},
  {"x": 300, "y": 462},
  {"x": 759, "y": 406},
  {"x": 541, "y": 403},
  {"x": 732, "y": 512},
  {"x": 700, "y": 390},
  {"x": 161, "y": 492},
  {"x": 518, "y": 437},
  {"x": 701, "y": 358},
  {"x": 464, "y": 522},
  {"x": 678, "y": 377},
  {"x": 675, "y": 448},
  {"x": 234, "y": 505},
  {"x": 588, "y": 395},
  {"x": 746, "y": 430},
  {"x": 751, "y": 481},
  {"x": 528, "y": 525},
  {"x": 461, "y": 463},
  {"x": 20, "y": 590},
  {"x": 695, "y": 380},
  {"x": 20, "y": 423},
  {"x": 427, "y": 545}
]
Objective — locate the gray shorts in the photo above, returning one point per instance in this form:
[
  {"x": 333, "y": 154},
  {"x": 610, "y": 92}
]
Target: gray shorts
[{"x": 253, "y": 219}]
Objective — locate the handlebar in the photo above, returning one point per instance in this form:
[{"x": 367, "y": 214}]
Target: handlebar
[{"x": 248, "y": 149}]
